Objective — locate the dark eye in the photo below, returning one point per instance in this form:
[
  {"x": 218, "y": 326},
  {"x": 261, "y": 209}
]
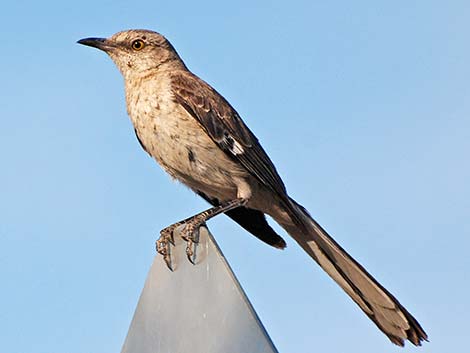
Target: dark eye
[{"x": 138, "y": 44}]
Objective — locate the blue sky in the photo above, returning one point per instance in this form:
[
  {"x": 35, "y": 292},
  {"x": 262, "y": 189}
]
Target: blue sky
[{"x": 363, "y": 107}]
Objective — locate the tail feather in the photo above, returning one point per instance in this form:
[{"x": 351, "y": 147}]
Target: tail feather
[{"x": 376, "y": 302}]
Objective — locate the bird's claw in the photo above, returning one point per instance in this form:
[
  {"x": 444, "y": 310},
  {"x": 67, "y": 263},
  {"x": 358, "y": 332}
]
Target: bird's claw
[
  {"x": 191, "y": 236},
  {"x": 189, "y": 233},
  {"x": 163, "y": 245}
]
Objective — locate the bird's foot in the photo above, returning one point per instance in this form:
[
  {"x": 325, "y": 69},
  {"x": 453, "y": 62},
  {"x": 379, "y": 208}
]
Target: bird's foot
[
  {"x": 163, "y": 243},
  {"x": 190, "y": 230},
  {"x": 189, "y": 233}
]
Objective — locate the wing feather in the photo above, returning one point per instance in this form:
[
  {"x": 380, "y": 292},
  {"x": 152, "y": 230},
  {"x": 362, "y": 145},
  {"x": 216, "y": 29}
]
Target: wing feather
[{"x": 223, "y": 124}]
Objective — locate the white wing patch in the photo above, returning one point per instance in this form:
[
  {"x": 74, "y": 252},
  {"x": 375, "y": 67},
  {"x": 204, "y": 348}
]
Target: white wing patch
[
  {"x": 237, "y": 148},
  {"x": 232, "y": 145}
]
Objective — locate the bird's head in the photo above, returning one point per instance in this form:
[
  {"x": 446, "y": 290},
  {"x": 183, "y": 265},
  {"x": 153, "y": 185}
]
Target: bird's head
[{"x": 135, "y": 52}]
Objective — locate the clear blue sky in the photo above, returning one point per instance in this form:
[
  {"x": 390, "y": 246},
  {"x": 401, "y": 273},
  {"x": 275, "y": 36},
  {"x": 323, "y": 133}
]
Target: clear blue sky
[{"x": 363, "y": 107}]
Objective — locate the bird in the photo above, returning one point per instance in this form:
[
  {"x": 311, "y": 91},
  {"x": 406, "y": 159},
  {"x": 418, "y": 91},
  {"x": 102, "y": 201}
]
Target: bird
[{"x": 200, "y": 140}]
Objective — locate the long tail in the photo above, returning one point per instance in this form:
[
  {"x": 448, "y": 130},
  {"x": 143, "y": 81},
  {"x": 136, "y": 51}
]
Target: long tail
[{"x": 376, "y": 302}]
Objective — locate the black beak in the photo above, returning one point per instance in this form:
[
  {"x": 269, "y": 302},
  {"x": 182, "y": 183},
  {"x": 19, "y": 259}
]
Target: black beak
[{"x": 99, "y": 43}]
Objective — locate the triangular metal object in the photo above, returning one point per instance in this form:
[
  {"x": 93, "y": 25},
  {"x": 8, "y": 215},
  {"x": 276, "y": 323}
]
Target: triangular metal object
[{"x": 197, "y": 308}]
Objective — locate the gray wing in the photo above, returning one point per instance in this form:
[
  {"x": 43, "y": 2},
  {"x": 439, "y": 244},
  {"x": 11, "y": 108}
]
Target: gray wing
[{"x": 223, "y": 124}]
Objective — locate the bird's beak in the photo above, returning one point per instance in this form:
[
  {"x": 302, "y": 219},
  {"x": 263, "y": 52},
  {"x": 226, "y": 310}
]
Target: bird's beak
[{"x": 99, "y": 43}]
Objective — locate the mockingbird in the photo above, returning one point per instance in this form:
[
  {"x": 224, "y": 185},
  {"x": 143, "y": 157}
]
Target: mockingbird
[{"x": 200, "y": 140}]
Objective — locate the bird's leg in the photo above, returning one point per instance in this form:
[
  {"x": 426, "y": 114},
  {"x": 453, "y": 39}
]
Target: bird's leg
[{"x": 190, "y": 232}]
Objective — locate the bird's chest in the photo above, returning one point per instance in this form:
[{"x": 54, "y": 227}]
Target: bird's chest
[
  {"x": 164, "y": 131},
  {"x": 177, "y": 141}
]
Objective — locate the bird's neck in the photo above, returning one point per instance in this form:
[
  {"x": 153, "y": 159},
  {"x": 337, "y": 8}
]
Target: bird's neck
[{"x": 145, "y": 92}]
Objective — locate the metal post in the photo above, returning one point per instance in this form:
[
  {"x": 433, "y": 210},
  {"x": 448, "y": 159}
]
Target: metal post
[{"x": 195, "y": 309}]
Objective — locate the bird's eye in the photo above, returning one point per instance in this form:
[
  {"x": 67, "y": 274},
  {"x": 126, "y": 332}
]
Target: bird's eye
[{"x": 138, "y": 44}]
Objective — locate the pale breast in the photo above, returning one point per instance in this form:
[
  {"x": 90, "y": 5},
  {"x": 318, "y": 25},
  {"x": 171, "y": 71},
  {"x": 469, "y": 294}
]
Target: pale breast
[{"x": 179, "y": 143}]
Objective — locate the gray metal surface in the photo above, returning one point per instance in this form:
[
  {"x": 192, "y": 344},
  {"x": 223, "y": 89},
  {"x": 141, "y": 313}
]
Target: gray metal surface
[{"x": 195, "y": 309}]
